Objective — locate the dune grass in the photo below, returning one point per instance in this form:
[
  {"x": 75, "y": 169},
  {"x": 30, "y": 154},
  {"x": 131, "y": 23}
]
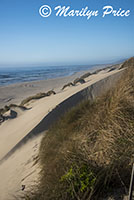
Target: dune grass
[
  {"x": 75, "y": 82},
  {"x": 37, "y": 96},
  {"x": 86, "y": 75},
  {"x": 67, "y": 85},
  {"x": 27, "y": 100},
  {"x": 89, "y": 152},
  {"x": 7, "y": 108},
  {"x": 79, "y": 80}
]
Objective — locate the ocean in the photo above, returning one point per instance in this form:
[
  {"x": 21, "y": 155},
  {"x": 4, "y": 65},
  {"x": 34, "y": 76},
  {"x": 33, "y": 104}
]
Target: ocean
[{"x": 12, "y": 75}]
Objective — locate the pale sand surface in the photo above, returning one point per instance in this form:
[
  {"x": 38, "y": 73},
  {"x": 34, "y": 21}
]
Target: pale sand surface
[
  {"x": 20, "y": 164},
  {"x": 20, "y": 169}
]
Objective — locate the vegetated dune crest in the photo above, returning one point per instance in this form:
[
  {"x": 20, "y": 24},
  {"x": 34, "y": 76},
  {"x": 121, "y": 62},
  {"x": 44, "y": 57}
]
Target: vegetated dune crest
[
  {"x": 32, "y": 122},
  {"x": 45, "y": 111}
]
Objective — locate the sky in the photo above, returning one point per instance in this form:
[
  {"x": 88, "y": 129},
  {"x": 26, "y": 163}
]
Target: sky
[{"x": 27, "y": 38}]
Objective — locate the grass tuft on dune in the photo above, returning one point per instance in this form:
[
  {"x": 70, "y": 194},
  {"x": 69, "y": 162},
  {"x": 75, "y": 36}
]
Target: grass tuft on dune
[
  {"x": 37, "y": 96},
  {"x": 89, "y": 152},
  {"x": 7, "y": 108}
]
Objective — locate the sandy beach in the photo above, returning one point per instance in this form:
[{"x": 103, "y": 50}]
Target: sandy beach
[
  {"x": 15, "y": 93},
  {"x": 21, "y": 168},
  {"x": 66, "y": 100}
]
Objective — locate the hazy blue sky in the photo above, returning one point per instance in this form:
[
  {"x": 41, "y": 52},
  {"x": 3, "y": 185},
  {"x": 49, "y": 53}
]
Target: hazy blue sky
[{"x": 28, "y": 38}]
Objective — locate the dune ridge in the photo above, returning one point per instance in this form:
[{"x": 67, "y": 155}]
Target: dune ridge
[
  {"x": 88, "y": 91},
  {"x": 29, "y": 125}
]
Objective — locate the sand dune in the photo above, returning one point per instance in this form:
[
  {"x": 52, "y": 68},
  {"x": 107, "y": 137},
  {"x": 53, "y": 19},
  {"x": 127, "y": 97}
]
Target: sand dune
[
  {"x": 13, "y": 94},
  {"x": 16, "y": 132}
]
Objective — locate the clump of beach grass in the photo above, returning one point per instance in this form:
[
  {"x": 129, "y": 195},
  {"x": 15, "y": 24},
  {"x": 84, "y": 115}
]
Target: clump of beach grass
[
  {"x": 37, "y": 96},
  {"x": 86, "y": 75},
  {"x": 97, "y": 71},
  {"x": 89, "y": 152},
  {"x": 67, "y": 85},
  {"x": 7, "y": 108},
  {"x": 79, "y": 80},
  {"x": 27, "y": 100},
  {"x": 75, "y": 82}
]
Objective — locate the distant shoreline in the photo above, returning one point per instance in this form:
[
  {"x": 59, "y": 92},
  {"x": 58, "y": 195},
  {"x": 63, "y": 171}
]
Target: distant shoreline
[
  {"x": 13, "y": 76},
  {"x": 15, "y": 93}
]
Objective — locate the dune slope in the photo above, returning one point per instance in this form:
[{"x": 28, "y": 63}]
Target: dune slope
[{"x": 14, "y": 133}]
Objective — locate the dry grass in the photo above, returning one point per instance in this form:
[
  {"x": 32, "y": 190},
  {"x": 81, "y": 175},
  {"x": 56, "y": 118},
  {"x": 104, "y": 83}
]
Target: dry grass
[
  {"x": 86, "y": 75},
  {"x": 75, "y": 82},
  {"x": 7, "y": 108},
  {"x": 67, "y": 85},
  {"x": 37, "y": 96},
  {"x": 89, "y": 152},
  {"x": 25, "y": 101},
  {"x": 79, "y": 80}
]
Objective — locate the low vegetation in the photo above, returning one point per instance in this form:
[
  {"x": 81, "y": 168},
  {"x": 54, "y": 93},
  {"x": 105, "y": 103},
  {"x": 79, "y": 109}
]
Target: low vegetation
[
  {"x": 67, "y": 85},
  {"x": 37, "y": 96},
  {"x": 75, "y": 82},
  {"x": 89, "y": 152},
  {"x": 25, "y": 101},
  {"x": 112, "y": 69},
  {"x": 7, "y": 108},
  {"x": 79, "y": 80},
  {"x": 97, "y": 71},
  {"x": 127, "y": 63},
  {"x": 86, "y": 75}
]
